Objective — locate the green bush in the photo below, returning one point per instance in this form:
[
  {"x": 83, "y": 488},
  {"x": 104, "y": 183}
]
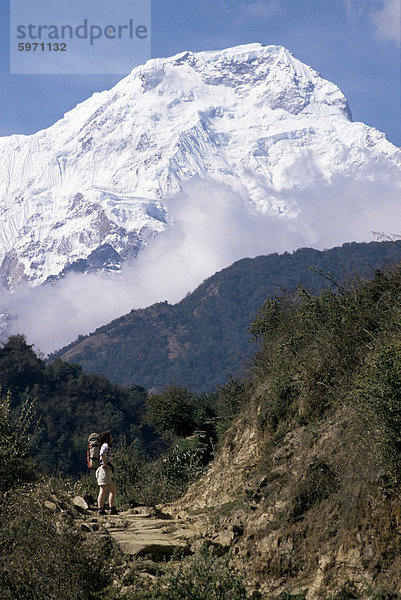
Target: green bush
[
  {"x": 379, "y": 390},
  {"x": 170, "y": 412},
  {"x": 185, "y": 461},
  {"x": 85, "y": 486},
  {"x": 16, "y": 465},
  {"x": 127, "y": 460},
  {"x": 179, "y": 412},
  {"x": 229, "y": 400},
  {"x": 165, "y": 478},
  {"x": 199, "y": 577},
  {"x": 313, "y": 347}
]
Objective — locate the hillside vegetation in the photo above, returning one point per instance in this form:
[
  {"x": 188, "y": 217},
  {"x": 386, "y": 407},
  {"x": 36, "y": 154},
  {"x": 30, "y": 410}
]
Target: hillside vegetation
[
  {"x": 203, "y": 340},
  {"x": 69, "y": 405},
  {"x": 66, "y": 404},
  {"x": 292, "y": 474},
  {"x": 305, "y": 490}
]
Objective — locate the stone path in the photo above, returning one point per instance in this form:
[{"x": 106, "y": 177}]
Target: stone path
[{"x": 144, "y": 532}]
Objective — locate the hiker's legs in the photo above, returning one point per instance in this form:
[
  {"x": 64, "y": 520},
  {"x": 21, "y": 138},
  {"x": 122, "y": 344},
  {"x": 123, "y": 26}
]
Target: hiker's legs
[
  {"x": 102, "y": 495},
  {"x": 112, "y": 495}
]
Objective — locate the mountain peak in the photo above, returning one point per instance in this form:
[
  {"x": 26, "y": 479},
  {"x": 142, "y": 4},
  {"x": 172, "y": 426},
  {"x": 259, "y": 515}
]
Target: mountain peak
[
  {"x": 253, "y": 118},
  {"x": 272, "y": 68}
]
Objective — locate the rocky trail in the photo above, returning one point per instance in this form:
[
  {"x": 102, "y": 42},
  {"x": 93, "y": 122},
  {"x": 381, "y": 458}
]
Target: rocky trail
[{"x": 142, "y": 532}]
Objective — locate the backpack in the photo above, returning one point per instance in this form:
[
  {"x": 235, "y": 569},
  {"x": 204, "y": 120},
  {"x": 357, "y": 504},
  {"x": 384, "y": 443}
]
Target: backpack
[{"x": 93, "y": 451}]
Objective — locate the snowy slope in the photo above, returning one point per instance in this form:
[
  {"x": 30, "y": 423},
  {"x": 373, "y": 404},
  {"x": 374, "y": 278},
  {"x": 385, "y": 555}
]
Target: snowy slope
[{"x": 252, "y": 117}]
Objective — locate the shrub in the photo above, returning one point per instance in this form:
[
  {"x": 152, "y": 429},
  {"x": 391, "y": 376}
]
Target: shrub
[
  {"x": 379, "y": 390},
  {"x": 229, "y": 401},
  {"x": 169, "y": 476},
  {"x": 127, "y": 460},
  {"x": 312, "y": 347},
  {"x": 16, "y": 465},
  {"x": 199, "y": 577},
  {"x": 85, "y": 486},
  {"x": 319, "y": 482},
  {"x": 170, "y": 412},
  {"x": 42, "y": 556},
  {"x": 185, "y": 461}
]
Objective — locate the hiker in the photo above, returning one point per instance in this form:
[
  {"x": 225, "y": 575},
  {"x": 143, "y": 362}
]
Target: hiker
[{"x": 104, "y": 475}]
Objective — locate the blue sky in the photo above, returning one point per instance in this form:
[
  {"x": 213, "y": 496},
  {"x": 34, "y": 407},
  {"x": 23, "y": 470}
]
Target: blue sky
[
  {"x": 354, "y": 43},
  {"x": 98, "y": 36}
]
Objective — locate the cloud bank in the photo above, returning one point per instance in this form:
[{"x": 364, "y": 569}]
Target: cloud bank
[{"x": 210, "y": 228}]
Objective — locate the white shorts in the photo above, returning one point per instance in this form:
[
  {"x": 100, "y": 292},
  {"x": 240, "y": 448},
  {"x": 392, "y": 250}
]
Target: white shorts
[{"x": 104, "y": 476}]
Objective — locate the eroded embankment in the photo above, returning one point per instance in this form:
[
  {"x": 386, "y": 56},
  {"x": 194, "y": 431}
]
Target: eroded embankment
[{"x": 299, "y": 510}]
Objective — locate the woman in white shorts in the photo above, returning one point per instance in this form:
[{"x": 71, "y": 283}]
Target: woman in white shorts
[{"x": 104, "y": 475}]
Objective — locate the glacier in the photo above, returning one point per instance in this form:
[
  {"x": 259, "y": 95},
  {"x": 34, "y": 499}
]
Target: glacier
[{"x": 252, "y": 118}]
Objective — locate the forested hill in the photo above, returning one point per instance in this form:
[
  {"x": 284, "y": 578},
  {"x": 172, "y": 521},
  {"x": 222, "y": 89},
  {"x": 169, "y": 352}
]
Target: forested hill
[{"x": 203, "y": 340}]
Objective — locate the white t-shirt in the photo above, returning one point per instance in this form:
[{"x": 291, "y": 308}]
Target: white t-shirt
[{"x": 105, "y": 452}]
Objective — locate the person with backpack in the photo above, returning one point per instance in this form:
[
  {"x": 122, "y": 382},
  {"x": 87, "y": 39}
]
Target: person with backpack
[{"x": 104, "y": 475}]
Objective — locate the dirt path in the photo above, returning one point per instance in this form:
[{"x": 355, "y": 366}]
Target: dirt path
[{"x": 145, "y": 532}]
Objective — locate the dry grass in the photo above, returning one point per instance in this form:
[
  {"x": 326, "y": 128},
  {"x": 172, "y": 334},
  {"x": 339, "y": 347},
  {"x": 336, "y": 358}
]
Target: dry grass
[{"x": 42, "y": 555}]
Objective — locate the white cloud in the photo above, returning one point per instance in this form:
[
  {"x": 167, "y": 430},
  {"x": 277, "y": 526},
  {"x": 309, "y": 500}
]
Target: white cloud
[
  {"x": 388, "y": 20},
  {"x": 212, "y": 228}
]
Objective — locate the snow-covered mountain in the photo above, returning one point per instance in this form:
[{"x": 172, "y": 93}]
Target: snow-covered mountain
[{"x": 90, "y": 190}]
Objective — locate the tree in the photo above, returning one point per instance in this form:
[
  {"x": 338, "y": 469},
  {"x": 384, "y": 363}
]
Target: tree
[
  {"x": 170, "y": 412},
  {"x": 20, "y": 367}
]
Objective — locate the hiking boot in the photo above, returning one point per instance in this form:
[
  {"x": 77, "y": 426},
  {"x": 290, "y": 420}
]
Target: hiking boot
[
  {"x": 113, "y": 511},
  {"x": 101, "y": 511}
]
